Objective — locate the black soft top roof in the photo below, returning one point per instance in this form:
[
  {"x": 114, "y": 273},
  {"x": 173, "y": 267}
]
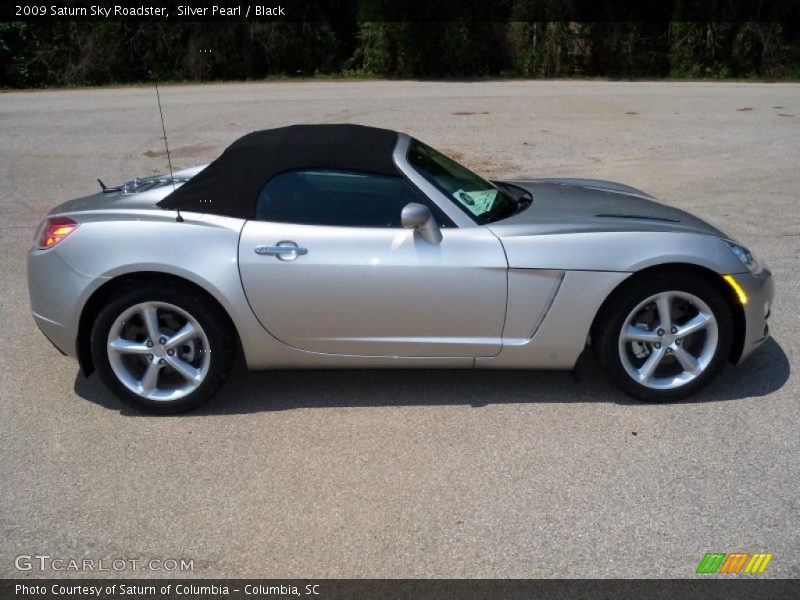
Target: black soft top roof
[{"x": 230, "y": 185}]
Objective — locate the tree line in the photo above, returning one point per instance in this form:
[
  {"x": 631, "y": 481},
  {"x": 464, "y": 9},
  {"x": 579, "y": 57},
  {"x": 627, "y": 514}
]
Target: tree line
[{"x": 96, "y": 53}]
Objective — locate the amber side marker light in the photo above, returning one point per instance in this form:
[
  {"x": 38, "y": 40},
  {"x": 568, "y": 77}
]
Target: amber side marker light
[
  {"x": 736, "y": 288},
  {"x": 55, "y": 230}
]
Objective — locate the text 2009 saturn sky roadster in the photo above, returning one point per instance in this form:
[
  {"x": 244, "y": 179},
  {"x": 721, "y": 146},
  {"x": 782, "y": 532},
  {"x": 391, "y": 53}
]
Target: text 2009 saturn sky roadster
[{"x": 317, "y": 246}]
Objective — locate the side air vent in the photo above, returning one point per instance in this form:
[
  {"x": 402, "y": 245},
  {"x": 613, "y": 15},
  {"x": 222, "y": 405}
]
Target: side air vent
[{"x": 646, "y": 218}]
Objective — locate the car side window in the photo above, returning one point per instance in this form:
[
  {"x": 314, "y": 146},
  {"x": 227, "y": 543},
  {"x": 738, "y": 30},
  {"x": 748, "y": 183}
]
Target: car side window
[{"x": 337, "y": 198}]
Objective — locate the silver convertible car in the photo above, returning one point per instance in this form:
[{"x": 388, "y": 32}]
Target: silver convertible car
[{"x": 320, "y": 246}]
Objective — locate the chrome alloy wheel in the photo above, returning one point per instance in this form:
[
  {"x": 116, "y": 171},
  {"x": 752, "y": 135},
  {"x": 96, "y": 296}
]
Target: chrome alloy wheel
[
  {"x": 158, "y": 351},
  {"x": 668, "y": 340}
]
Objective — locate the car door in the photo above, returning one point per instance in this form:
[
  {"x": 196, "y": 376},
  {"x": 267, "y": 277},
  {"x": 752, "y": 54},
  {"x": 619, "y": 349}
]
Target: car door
[{"x": 327, "y": 267}]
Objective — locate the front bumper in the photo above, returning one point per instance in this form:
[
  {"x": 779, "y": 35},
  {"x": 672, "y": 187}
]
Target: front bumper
[{"x": 760, "y": 290}]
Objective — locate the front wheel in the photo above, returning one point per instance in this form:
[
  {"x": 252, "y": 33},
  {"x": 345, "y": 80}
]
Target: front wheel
[
  {"x": 663, "y": 337},
  {"x": 163, "y": 350}
]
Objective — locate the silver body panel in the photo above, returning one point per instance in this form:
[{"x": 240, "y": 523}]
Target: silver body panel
[
  {"x": 760, "y": 290},
  {"x": 592, "y": 225},
  {"x": 518, "y": 293},
  {"x": 558, "y": 336},
  {"x": 378, "y": 292}
]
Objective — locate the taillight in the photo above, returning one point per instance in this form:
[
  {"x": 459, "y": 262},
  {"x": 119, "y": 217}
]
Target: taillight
[{"x": 55, "y": 230}]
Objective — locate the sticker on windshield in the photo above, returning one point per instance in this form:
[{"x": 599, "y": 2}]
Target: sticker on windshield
[{"x": 477, "y": 201}]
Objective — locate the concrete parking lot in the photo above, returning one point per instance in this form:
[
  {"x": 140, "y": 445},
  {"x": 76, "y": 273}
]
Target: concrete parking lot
[{"x": 412, "y": 474}]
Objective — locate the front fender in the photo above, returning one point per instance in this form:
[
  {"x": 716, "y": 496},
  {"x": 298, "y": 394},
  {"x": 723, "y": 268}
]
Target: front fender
[{"x": 620, "y": 251}]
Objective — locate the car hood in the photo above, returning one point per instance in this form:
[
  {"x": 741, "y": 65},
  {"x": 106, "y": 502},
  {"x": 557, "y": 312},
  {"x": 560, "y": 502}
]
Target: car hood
[{"x": 586, "y": 205}]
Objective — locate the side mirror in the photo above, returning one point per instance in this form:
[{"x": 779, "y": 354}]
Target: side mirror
[{"x": 419, "y": 217}]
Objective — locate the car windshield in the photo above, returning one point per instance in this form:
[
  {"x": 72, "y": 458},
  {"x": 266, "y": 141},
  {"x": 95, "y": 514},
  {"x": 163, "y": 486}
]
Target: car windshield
[{"x": 480, "y": 199}]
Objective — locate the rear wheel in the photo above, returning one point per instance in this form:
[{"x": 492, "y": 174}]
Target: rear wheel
[
  {"x": 663, "y": 337},
  {"x": 161, "y": 350}
]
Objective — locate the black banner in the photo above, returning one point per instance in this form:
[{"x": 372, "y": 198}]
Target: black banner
[
  {"x": 407, "y": 10},
  {"x": 397, "y": 589}
]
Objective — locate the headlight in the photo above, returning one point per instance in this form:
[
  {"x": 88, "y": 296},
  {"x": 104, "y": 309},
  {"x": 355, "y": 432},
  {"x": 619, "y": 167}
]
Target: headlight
[{"x": 744, "y": 255}]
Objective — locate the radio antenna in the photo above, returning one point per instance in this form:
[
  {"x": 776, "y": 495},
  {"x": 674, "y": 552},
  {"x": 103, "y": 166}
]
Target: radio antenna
[{"x": 166, "y": 145}]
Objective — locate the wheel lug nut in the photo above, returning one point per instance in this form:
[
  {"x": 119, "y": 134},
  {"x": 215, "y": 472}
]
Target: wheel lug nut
[
  {"x": 162, "y": 340},
  {"x": 674, "y": 329},
  {"x": 170, "y": 351},
  {"x": 660, "y": 332},
  {"x": 657, "y": 345},
  {"x": 161, "y": 361},
  {"x": 149, "y": 344},
  {"x": 677, "y": 342},
  {"x": 149, "y": 357},
  {"x": 669, "y": 350}
]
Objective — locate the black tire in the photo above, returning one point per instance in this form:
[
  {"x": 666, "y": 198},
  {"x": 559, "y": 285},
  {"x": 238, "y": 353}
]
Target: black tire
[
  {"x": 608, "y": 326},
  {"x": 214, "y": 323}
]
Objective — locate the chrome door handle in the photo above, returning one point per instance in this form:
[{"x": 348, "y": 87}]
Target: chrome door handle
[{"x": 284, "y": 250}]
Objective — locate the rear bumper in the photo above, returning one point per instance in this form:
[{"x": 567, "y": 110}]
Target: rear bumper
[
  {"x": 760, "y": 290},
  {"x": 54, "y": 332},
  {"x": 57, "y": 293}
]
